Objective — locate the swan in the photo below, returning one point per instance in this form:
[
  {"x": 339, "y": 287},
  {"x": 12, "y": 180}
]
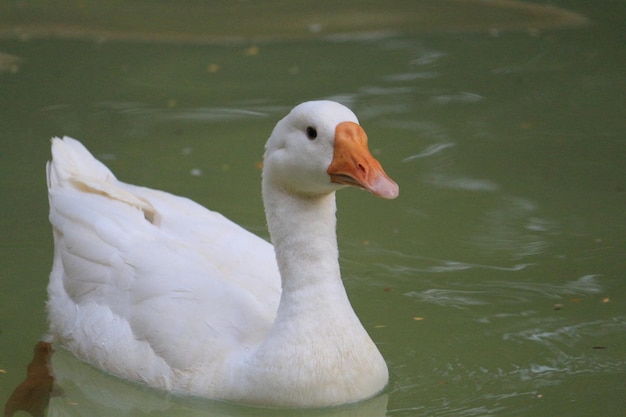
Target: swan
[{"x": 157, "y": 289}]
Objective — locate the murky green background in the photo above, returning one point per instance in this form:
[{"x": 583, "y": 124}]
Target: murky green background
[{"x": 494, "y": 286}]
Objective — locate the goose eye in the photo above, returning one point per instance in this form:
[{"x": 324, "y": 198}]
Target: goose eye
[{"x": 311, "y": 132}]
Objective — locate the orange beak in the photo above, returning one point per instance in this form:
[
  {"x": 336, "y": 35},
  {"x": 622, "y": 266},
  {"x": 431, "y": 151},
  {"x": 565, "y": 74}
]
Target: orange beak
[{"x": 353, "y": 164}]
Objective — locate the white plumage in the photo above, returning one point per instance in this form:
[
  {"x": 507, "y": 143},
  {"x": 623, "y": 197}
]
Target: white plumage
[{"x": 155, "y": 288}]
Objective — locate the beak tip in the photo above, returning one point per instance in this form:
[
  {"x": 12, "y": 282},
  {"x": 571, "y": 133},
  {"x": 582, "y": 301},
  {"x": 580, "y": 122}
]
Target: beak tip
[{"x": 385, "y": 188}]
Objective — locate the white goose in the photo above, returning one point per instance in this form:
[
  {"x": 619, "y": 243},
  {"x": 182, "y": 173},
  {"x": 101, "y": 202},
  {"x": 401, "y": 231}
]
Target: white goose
[{"x": 155, "y": 288}]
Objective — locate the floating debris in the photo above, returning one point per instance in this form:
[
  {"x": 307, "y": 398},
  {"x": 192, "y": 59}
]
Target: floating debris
[{"x": 9, "y": 63}]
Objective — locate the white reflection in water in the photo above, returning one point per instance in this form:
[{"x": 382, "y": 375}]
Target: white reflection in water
[{"x": 86, "y": 391}]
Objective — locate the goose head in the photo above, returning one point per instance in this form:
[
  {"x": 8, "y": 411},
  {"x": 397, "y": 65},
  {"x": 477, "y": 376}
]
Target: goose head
[{"x": 318, "y": 148}]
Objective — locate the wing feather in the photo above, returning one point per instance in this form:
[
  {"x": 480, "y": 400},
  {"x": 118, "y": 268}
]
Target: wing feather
[{"x": 181, "y": 277}]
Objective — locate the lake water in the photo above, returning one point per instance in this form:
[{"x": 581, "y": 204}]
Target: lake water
[{"x": 494, "y": 286}]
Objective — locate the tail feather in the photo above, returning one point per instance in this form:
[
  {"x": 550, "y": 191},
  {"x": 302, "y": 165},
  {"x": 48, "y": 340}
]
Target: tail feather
[
  {"x": 74, "y": 167},
  {"x": 71, "y": 160}
]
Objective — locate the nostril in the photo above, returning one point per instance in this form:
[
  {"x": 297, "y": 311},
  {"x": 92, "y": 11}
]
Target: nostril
[{"x": 361, "y": 168}]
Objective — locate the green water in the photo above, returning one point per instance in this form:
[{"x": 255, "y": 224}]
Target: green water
[{"x": 494, "y": 286}]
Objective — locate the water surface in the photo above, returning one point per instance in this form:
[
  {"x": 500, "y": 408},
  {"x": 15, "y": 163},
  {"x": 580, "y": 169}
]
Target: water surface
[{"x": 494, "y": 286}]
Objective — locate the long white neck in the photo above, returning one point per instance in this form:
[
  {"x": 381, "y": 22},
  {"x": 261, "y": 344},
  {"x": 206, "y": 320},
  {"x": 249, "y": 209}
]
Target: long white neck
[
  {"x": 316, "y": 352},
  {"x": 303, "y": 231}
]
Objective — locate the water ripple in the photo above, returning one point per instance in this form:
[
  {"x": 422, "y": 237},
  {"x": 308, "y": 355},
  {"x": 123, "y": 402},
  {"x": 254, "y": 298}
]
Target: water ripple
[
  {"x": 564, "y": 334},
  {"x": 462, "y": 97},
  {"x": 431, "y": 150},
  {"x": 462, "y": 183},
  {"x": 174, "y": 112},
  {"x": 435, "y": 264},
  {"x": 411, "y": 76},
  {"x": 504, "y": 292}
]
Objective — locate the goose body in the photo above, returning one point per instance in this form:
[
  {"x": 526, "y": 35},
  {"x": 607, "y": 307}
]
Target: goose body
[{"x": 155, "y": 288}]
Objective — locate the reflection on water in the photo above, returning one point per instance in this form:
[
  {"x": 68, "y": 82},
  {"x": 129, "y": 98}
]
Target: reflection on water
[
  {"x": 493, "y": 285},
  {"x": 82, "y": 390},
  {"x": 33, "y": 394}
]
